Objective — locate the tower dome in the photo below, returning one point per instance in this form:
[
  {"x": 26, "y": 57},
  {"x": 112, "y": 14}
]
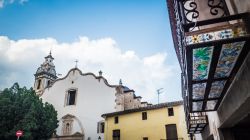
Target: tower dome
[{"x": 45, "y": 74}]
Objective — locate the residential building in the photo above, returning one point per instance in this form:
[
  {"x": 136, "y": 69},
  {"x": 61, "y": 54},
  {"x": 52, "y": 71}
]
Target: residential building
[
  {"x": 165, "y": 121},
  {"x": 212, "y": 43}
]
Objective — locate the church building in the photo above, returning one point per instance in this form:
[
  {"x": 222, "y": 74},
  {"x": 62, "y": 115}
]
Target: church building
[{"x": 80, "y": 99}]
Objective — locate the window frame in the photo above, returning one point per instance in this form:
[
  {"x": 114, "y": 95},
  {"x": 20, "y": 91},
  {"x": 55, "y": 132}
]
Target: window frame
[
  {"x": 48, "y": 83},
  {"x": 100, "y": 127},
  {"x": 39, "y": 82},
  {"x": 144, "y": 115},
  {"x": 170, "y": 111},
  {"x": 116, "y": 119},
  {"x": 116, "y": 137},
  {"x": 66, "y": 102}
]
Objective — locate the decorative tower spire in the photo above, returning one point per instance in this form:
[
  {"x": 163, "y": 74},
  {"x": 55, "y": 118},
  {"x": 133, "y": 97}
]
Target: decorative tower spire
[
  {"x": 45, "y": 74},
  {"x": 100, "y": 73},
  {"x": 120, "y": 82}
]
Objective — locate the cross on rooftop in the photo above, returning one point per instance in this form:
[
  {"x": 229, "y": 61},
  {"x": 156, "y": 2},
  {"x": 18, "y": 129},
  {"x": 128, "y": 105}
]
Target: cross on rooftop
[{"x": 76, "y": 61}]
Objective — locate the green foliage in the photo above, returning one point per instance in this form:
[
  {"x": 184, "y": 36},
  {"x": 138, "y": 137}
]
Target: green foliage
[{"x": 21, "y": 109}]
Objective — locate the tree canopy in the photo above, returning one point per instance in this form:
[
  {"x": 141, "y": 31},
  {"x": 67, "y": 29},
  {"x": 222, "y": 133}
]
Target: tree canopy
[{"x": 22, "y": 109}]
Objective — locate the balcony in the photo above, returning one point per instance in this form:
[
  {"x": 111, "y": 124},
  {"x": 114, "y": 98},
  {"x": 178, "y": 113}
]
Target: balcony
[
  {"x": 211, "y": 45},
  {"x": 213, "y": 57}
]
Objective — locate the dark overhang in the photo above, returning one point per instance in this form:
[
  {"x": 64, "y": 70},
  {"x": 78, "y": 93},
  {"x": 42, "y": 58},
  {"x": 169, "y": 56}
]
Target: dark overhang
[
  {"x": 211, "y": 46},
  {"x": 213, "y": 58}
]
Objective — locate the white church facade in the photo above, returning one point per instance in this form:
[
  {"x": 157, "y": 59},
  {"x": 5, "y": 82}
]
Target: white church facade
[{"x": 80, "y": 99}]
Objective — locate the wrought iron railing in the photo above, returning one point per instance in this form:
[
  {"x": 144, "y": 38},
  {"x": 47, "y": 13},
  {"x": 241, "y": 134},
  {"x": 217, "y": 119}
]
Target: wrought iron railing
[
  {"x": 195, "y": 19},
  {"x": 194, "y": 10}
]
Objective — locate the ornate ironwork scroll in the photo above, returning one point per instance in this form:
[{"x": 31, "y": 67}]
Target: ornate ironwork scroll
[
  {"x": 191, "y": 12},
  {"x": 195, "y": 8},
  {"x": 217, "y": 7}
]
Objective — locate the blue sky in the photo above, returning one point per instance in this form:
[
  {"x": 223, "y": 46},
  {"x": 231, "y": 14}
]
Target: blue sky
[{"x": 141, "y": 26}]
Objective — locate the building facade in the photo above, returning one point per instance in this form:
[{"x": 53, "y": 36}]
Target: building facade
[
  {"x": 212, "y": 43},
  {"x": 165, "y": 121},
  {"x": 80, "y": 99}
]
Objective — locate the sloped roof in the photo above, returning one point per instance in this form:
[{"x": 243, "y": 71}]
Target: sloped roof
[{"x": 151, "y": 107}]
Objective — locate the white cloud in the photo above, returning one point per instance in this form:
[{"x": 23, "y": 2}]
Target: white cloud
[
  {"x": 1, "y": 3},
  {"x": 20, "y": 59},
  {"x": 7, "y": 2},
  {"x": 23, "y": 1}
]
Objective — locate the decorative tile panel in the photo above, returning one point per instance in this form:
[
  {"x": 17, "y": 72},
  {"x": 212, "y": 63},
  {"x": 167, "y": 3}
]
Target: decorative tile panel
[
  {"x": 200, "y": 38},
  {"x": 197, "y": 106},
  {"x": 201, "y": 62},
  {"x": 216, "y": 89},
  {"x": 217, "y": 35},
  {"x": 199, "y": 90},
  {"x": 211, "y": 104},
  {"x": 227, "y": 59}
]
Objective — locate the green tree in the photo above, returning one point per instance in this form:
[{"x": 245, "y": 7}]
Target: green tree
[{"x": 22, "y": 109}]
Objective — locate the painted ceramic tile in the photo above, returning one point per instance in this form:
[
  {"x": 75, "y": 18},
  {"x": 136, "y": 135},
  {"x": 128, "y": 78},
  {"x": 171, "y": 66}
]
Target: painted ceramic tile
[
  {"x": 207, "y": 37},
  {"x": 197, "y": 106},
  {"x": 202, "y": 125},
  {"x": 193, "y": 39},
  {"x": 192, "y": 129},
  {"x": 194, "y": 125},
  {"x": 200, "y": 38},
  {"x": 189, "y": 40},
  {"x": 239, "y": 31},
  {"x": 211, "y": 104},
  {"x": 201, "y": 62},
  {"x": 224, "y": 34},
  {"x": 199, "y": 90},
  {"x": 216, "y": 89},
  {"x": 227, "y": 59}
]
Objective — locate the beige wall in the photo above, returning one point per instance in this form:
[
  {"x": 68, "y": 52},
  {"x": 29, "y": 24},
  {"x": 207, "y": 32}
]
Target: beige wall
[{"x": 132, "y": 127}]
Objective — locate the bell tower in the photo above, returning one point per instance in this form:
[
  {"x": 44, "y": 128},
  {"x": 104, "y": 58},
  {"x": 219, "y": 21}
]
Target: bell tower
[{"x": 45, "y": 75}]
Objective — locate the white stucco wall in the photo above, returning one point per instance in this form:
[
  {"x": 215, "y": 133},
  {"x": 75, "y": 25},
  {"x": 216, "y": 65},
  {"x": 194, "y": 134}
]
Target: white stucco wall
[{"x": 93, "y": 99}]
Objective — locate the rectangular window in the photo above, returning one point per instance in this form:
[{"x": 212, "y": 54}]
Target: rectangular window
[
  {"x": 38, "y": 84},
  {"x": 71, "y": 97},
  {"x": 116, "y": 135},
  {"x": 116, "y": 120},
  {"x": 144, "y": 116},
  {"x": 145, "y": 138},
  {"x": 102, "y": 127},
  {"x": 170, "y": 112},
  {"x": 48, "y": 83},
  {"x": 98, "y": 127}
]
